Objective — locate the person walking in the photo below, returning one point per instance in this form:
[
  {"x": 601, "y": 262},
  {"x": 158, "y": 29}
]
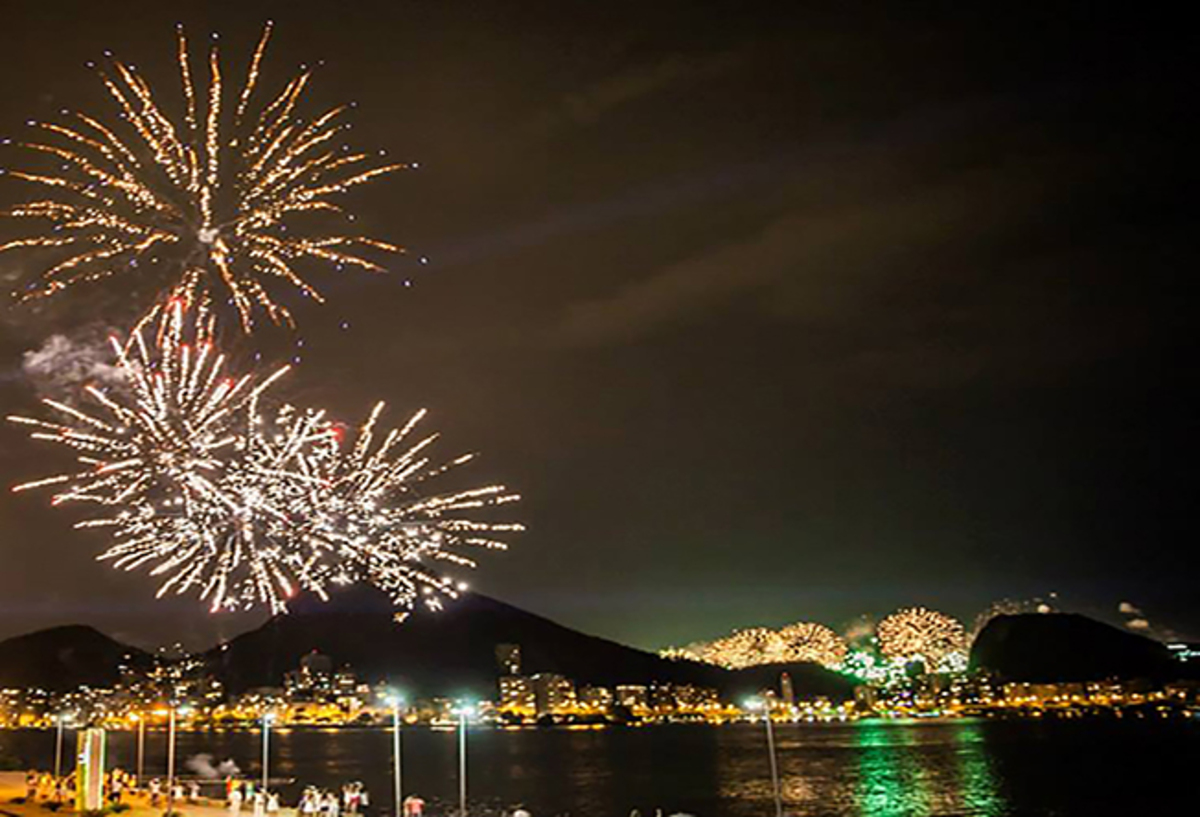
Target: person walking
[
  {"x": 235, "y": 801},
  {"x": 272, "y": 804}
]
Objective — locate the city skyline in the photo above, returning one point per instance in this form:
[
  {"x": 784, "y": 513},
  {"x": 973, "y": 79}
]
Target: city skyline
[{"x": 770, "y": 317}]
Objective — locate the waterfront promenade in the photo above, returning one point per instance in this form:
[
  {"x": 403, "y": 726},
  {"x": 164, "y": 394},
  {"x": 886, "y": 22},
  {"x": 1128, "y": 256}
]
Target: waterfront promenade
[{"x": 12, "y": 786}]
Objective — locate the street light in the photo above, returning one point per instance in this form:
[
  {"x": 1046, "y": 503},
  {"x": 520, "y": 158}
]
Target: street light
[
  {"x": 267, "y": 720},
  {"x": 58, "y": 744},
  {"x": 171, "y": 754},
  {"x": 755, "y": 704},
  {"x": 141, "y": 747},
  {"x": 396, "y": 700},
  {"x": 463, "y": 711}
]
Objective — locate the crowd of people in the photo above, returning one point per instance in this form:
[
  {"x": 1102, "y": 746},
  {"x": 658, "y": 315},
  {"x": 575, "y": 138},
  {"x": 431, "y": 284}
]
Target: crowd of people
[
  {"x": 243, "y": 794},
  {"x": 316, "y": 802},
  {"x": 118, "y": 785},
  {"x": 243, "y": 798}
]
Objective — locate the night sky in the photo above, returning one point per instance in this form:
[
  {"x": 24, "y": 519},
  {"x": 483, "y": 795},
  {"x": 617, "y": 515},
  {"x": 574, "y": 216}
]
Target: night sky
[{"x": 770, "y": 315}]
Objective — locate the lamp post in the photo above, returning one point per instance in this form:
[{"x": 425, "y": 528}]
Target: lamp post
[
  {"x": 141, "y": 747},
  {"x": 464, "y": 711},
  {"x": 58, "y": 745},
  {"x": 171, "y": 760},
  {"x": 756, "y": 704},
  {"x": 267, "y": 720},
  {"x": 171, "y": 754},
  {"x": 398, "y": 788}
]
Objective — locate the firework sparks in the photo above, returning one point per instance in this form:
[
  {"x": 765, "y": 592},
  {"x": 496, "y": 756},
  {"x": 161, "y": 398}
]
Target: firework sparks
[
  {"x": 369, "y": 505},
  {"x": 215, "y": 495},
  {"x": 800, "y": 642},
  {"x": 211, "y": 196},
  {"x": 916, "y": 632}
]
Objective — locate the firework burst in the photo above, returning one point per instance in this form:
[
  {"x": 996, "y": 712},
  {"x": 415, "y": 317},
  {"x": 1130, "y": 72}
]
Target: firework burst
[
  {"x": 795, "y": 643},
  {"x": 215, "y": 495},
  {"x": 917, "y": 632},
  {"x": 221, "y": 197},
  {"x": 368, "y": 505}
]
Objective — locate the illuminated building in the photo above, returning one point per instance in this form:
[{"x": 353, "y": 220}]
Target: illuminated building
[
  {"x": 595, "y": 699},
  {"x": 517, "y": 696},
  {"x": 508, "y": 658},
  {"x": 786, "y": 691},
  {"x": 553, "y": 694},
  {"x": 634, "y": 697}
]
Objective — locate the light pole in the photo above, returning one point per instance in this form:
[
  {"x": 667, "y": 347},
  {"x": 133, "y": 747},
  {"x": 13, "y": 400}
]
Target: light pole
[
  {"x": 171, "y": 760},
  {"x": 395, "y": 700},
  {"x": 141, "y": 747},
  {"x": 760, "y": 703},
  {"x": 58, "y": 746},
  {"x": 464, "y": 711},
  {"x": 171, "y": 755},
  {"x": 267, "y": 720}
]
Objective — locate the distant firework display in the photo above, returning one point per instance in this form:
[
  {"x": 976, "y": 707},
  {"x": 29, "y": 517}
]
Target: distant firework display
[
  {"x": 795, "y": 643},
  {"x": 919, "y": 632}
]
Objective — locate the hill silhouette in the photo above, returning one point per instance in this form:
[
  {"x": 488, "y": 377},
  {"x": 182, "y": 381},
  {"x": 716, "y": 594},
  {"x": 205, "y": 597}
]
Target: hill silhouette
[
  {"x": 1050, "y": 647},
  {"x": 453, "y": 651},
  {"x": 63, "y": 658}
]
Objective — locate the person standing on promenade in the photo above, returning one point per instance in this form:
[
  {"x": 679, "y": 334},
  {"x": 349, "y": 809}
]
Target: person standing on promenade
[
  {"x": 308, "y": 803},
  {"x": 272, "y": 804},
  {"x": 414, "y": 806},
  {"x": 235, "y": 801}
]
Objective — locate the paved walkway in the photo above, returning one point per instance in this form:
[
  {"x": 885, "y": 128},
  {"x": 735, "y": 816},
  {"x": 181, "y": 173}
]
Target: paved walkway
[{"x": 12, "y": 785}]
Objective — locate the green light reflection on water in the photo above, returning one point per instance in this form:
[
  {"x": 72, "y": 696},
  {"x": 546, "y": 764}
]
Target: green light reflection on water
[{"x": 925, "y": 770}]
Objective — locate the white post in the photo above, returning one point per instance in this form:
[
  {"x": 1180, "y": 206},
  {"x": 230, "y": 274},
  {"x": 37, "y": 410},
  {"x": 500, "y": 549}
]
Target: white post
[
  {"x": 141, "y": 750},
  {"x": 774, "y": 764},
  {"x": 58, "y": 748},
  {"x": 171, "y": 760},
  {"x": 462, "y": 762},
  {"x": 399, "y": 790},
  {"x": 266, "y": 750}
]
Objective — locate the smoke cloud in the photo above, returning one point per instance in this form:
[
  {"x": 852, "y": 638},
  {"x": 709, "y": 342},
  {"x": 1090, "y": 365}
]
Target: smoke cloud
[
  {"x": 202, "y": 766},
  {"x": 64, "y": 363}
]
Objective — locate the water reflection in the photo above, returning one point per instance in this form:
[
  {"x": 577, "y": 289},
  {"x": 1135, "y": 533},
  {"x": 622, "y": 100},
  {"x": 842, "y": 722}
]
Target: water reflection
[
  {"x": 920, "y": 770},
  {"x": 865, "y": 769}
]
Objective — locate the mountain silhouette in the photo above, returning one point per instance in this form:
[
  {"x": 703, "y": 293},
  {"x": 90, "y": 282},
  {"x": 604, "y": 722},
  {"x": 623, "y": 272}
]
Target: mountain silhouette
[
  {"x": 453, "y": 651},
  {"x": 1050, "y": 647},
  {"x": 63, "y": 658}
]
